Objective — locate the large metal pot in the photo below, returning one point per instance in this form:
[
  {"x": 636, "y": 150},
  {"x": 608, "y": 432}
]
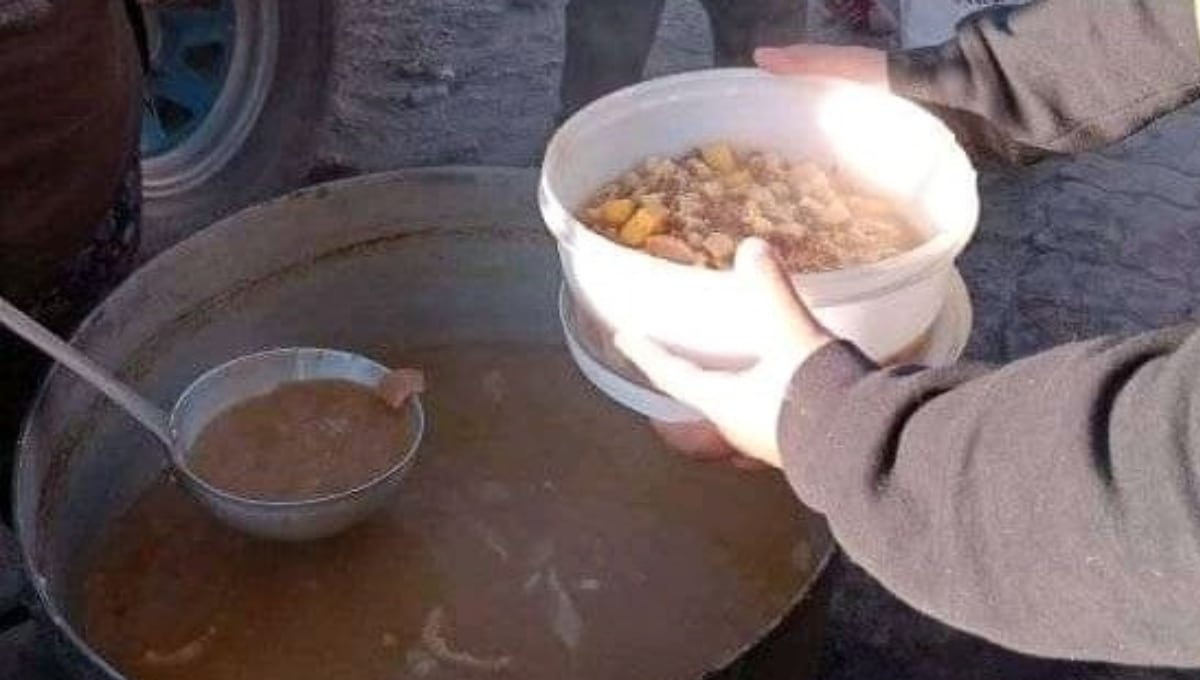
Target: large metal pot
[{"x": 416, "y": 258}]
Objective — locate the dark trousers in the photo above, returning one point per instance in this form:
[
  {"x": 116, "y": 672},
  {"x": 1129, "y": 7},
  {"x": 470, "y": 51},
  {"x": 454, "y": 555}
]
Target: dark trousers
[{"x": 608, "y": 41}]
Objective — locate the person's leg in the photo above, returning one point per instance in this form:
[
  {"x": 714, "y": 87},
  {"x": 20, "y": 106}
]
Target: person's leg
[
  {"x": 739, "y": 26},
  {"x": 607, "y": 44}
]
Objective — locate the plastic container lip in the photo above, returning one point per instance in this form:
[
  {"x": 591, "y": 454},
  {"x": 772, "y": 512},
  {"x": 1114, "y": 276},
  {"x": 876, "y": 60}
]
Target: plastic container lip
[{"x": 901, "y": 268}]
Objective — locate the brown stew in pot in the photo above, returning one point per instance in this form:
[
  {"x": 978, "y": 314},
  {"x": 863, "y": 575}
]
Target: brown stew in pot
[{"x": 542, "y": 535}]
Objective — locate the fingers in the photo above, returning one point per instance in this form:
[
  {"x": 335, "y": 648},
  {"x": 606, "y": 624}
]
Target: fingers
[
  {"x": 765, "y": 282},
  {"x": 697, "y": 440},
  {"x": 750, "y": 464},
  {"x": 701, "y": 441},
  {"x": 769, "y": 289},
  {"x": 784, "y": 61},
  {"x": 865, "y": 65},
  {"x": 676, "y": 376},
  {"x": 742, "y": 408},
  {"x": 786, "y": 328}
]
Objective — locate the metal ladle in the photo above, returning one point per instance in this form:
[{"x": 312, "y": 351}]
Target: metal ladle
[{"x": 221, "y": 388}]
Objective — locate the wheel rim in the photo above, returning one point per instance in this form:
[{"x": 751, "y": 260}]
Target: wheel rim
[{"x": 212, "y": 62}]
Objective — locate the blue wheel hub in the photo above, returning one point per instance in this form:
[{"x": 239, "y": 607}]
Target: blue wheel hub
[{"x": 191, "y": 47}]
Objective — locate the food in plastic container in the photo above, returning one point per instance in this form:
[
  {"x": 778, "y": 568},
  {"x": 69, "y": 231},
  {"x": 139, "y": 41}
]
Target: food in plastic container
[
  {"x": 881, "y": 143},
  {"x": 696, "y": 208}
]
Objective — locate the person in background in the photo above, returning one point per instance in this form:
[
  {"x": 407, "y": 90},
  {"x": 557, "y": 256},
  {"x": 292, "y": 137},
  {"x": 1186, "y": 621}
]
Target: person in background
[
  {"x": 70, "y": 186},
  {"x": 609, "y": 41},
  {"x": 1051, "y": 505}
]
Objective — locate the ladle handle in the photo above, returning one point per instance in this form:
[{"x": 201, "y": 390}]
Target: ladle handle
[{"x": 146, "y": 413}]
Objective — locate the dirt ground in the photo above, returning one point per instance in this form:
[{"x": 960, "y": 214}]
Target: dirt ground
[{"x": 437, "y": 82}]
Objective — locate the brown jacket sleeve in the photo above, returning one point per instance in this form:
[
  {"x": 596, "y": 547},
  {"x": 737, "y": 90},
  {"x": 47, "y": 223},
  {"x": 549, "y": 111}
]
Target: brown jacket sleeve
[
  {"x": 1056, "y": 76},
  {"x": 1052, "y": 506},
  {"x": 70, "y": 93}
]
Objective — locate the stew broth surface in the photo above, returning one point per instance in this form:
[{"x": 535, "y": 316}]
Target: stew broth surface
[
  {"x": 300, "y": 441},
  {"x": 542, "y": 534}
]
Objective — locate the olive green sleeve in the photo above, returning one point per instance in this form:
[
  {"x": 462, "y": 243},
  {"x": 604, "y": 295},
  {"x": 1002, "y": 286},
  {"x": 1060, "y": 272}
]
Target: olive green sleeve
[{"x": 1056, "y": 76}]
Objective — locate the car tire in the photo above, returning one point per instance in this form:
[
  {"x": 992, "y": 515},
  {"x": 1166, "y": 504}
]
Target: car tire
[{"x": 267, "y": 145}]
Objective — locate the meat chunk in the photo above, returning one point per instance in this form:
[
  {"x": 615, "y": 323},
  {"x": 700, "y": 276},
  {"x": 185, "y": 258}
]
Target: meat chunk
[
  {"x": 400, "y": 385},
  {"x": 672, "y": 248},
  {"x": 720, "y": 246},
  {"x": 615, "y": 212}
]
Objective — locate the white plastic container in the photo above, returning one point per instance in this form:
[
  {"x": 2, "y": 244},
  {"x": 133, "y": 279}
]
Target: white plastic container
[{"x": 885, "y": 144}]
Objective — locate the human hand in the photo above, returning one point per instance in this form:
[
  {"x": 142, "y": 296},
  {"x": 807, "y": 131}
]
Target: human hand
[
  {"x": 701, "y": 441},
  {"x": 743, "y": 406},
  {"x": 862, "y": 64}
]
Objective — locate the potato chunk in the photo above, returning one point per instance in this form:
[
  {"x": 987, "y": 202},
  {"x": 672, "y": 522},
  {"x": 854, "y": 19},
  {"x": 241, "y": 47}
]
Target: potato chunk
[
  {"x": 647, "y": 221},
  {"x": 615, "y": 212},
  {"x": 672, "y": 248}
]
